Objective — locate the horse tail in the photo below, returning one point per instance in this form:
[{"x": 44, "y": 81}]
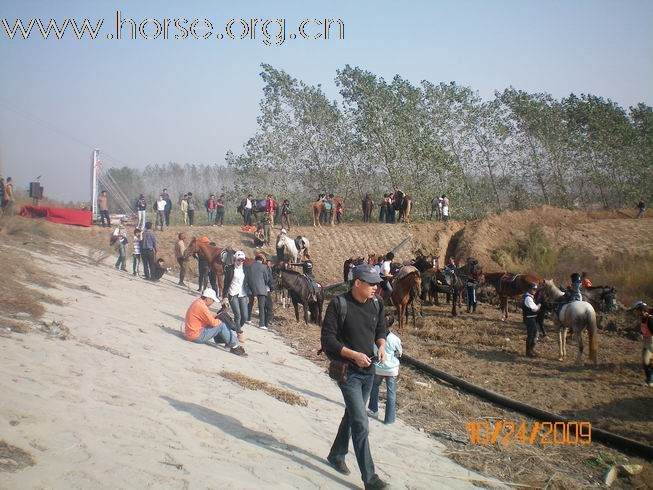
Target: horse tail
[{"x": 593, "y": 335}]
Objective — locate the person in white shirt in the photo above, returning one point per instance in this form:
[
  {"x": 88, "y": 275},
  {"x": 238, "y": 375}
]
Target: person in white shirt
[
  {"x": 386, "y": 274},
  {"x": 387, "y": 370},
  {"x": 235, "y": 287},
  {"x": 160, "y": 211},
  {"x": 247, "y": 210},
  {"x": 445, "y": 208}
]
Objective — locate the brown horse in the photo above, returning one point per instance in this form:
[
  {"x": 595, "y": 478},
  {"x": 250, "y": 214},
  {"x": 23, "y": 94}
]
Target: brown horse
[
  {"x": 367, "y": 206},
  {"x": 510, "y": 285},
  {"x": 211, "y": 254},
  {"x": 405, "y": 288},
  {"x": 348, "y": 264},
  {"x": 318, "y": 207}
]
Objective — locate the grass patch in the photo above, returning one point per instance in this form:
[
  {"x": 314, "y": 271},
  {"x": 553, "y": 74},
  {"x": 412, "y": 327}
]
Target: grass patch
[
  {"x": 283, "y": 395},
  {"x": 13, "y": 458}
]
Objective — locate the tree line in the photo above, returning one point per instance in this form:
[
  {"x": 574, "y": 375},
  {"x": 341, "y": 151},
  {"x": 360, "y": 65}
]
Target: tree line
[{"x": 514, "y": 151}]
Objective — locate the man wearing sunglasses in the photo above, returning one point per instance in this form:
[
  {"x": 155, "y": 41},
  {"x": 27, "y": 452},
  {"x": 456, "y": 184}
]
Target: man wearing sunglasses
[{"x": 352, "y": 339}]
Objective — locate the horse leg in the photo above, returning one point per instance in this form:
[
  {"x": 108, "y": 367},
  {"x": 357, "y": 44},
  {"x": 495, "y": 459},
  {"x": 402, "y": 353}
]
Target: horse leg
[
  {"x": 305, "y": 303},
  {"x": 503, "y": 305},
  {"x": 562, "y": 342},
  {"x": 579, "y": 335},
  {"x": 454, "y": 312},
  {"x": 296, "y": 306}
]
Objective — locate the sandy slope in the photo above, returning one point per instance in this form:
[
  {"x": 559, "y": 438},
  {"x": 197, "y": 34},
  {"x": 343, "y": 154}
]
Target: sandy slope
[{"x": 125, "y": 403}]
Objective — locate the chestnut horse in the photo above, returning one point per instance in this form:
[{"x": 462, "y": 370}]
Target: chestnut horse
[
  {"x": 404, "y": 205},
  {"x": 405, "y": 288},
  {"x": 213, "y": 255},
  {"x": 367, "y": 206},
  {"x": 512, "y": 285},
  {"x": 318, "y": 207}
]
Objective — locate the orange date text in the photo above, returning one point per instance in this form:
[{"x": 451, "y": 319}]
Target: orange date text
[{"x": 485, "y": 433}]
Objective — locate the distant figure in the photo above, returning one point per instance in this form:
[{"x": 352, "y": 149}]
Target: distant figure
[
  {"x": 183, "y": 206},
  {"x": 103, "y": 206},
  {"x": 340, "y": 212},
  {"x": 646, "y": 329},
  {"x": 166, "y": 198},
  {"x": 121, "y": 246},
  {"x": 529, "y": 310},
  {"x": 445, "y": 208},
  {"x": 148, "y": 251},
  {"x": 180, "y": 248},
  {"x": 190, "y": 200},
  {"x": 8, "y": 202},
  {"x": 641, "y": 207},
  {"x": 285, "y": 214},
  {"x": 247, "y": 211},
  {"x": 161, "y": 205},
  {"x": 210, "y": 210},
  {"x": 136, "y": 251},
  {"x": 585, "y": 281},
  {"x": 219, "y": 210},
  {"x": 141, "y": 207}
]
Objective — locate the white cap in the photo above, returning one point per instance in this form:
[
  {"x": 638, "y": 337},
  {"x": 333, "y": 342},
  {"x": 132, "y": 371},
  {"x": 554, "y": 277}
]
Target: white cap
[
  {"x": 283, "y": 231},
  {"x": 240, "y": 254},
  {"x": 209, "y": 293}
]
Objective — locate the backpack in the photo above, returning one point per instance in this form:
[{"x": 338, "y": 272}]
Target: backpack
[{"x": 341, "y": 308}]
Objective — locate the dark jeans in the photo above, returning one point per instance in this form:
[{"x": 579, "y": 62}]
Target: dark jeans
[
  {"x": 239, "y": 308},
  {"x": 531, "y": 334},
  {"x": 148, "y": 262},
  {"x": 356, "y": 392},
  {"x": 167, "y": 213},
  {"x": 382, "y": 212},
  {"x": 260, "y": 299},
  {"x": 104, "y": 216},
  {"x": 191, "y": 216},
  {"x": 160, "y": 219},
  {"x": 471, "y": 298},
  {"x": 203, "y": 275},
  {"x": 219, "y": 216},
  {"x": 136, "y": 262},
  {"x": 182, "y": 269},
  {"x": 268, "y": 309},
  {"x": 247, "y": 217}
]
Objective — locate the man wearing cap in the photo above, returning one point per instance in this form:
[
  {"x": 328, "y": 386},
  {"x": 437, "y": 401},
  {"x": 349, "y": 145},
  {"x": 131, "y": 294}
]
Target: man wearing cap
[
  {"x": 352, "y": 339},
  {"x": 530, "y": 309},
  {"x": 646, "y": 328},
  {"x": 201, "y": 326}
]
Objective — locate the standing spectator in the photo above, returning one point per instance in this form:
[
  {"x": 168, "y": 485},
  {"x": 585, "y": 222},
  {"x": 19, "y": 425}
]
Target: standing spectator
[
  {"x": 141, "y": 207},
  {"x": 445, "y": 208},
  {"x": 471, "y": 285},
  {"x": 259, "y": 281},
  {"x": 388, "y": 370},
  {"x": 161, "y": 205},
  {"x": 180, "y": 248},
  {"x": 166, "y": 198},
  {"x": 247, "y": 210},
  {"x": 285, "y": 214},
  {"x": 8, "y": 201},
  {"x": 235, "y": 290},
  {"x": 585, "y": 281},
  {"x": 219, "y": 211},
  {"x": 351, "y": 340},
  {"x": 269, "y": 208},
  {"x": 136, "y": 251},
  {"x": 340, "y": 211},
  {"x": 383, "y": 208},
  {"x": 148, "y": 251},
  {"x": 191, "y": 208},
  {"x": 329, "y": 208},
  {"x": 103, "y": 205},
  {"x": 530, "y": 309},
  {"x": 390, "y": 213},
  {"x": 641, "y": 207},
  {"x": 201, "y": 327},
  {"x": 210, "y": 209},
  {"x": 646, "y": 329},
  {"x": 268, "y": 298},
  {"x": 121, "y": 247},
  {"x": 268, "y": 222},
  {"x": 183, "y": 205},
  {"x": 2, "y": 194}
]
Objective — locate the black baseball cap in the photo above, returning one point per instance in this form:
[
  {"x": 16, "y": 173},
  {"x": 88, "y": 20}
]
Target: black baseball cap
[{"x": 367, "y": 273}]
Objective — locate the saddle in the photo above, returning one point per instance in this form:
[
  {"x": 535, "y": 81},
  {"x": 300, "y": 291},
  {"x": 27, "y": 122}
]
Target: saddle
[{"x": 404, "y": 271}]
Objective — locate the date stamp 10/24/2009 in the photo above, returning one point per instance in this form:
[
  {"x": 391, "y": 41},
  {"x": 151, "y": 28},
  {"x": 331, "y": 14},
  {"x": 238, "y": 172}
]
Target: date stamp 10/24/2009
[{"x": 484, "y": 433}]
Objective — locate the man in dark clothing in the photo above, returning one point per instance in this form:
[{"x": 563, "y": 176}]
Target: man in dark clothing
[
  {"x": 259, "y": 280},
  {"x": 166, "y": 198},
  {"x": 530, "y": 309},
  {"x": 148, "y": 252},
  {"x": 353, "y": 341}
]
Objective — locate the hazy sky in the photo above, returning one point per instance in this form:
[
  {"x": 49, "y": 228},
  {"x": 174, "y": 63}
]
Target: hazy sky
[{"x": 189, "y": 100}]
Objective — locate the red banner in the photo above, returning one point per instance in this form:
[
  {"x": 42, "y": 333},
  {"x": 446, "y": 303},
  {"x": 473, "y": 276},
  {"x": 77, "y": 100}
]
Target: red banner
[{"x": 64, "y": 216}]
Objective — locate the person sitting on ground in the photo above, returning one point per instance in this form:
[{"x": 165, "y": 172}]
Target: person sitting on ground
[
  {"x": 646, "y": 328},
  {"x": 585, "y": 281},
  {"x": 160, "y": 268},
  {"x": 201, "y": 326}
]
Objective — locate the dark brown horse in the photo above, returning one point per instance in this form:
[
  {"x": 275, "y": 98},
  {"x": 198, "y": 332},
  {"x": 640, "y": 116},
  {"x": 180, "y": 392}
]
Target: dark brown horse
[
  {"x": 406, "y": 286},
  {"x": 511, "y": 285},
  {"x": 211, "y": 254},
  {"x": 403, "y": 203},
  {"x": 348, "y": 264},
  {"x": 300, "y": 292},
  {"x": 367, "y": 206}
]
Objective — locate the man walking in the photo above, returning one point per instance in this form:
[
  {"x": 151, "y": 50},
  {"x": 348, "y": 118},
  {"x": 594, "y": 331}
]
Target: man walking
[
  {"x": 349, "y": 337},
  {"x": 530, "y": 309},
  {"x": 259, "y": 281},
  {"x": 148, "y": 251},
  {"x": 103, "y": 205}
]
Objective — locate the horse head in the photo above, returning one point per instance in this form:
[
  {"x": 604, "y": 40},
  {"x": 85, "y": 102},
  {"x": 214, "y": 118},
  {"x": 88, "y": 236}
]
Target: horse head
[
  {"x": 191, "y": 248},
  {"x": 227, "y": 256},
  {"x": 551, "y": 290}
]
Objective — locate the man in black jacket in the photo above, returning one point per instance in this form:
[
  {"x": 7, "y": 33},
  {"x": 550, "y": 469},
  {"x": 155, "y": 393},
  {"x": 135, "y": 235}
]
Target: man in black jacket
[
  {"x": 352, "y": 339},
  {"x": 259, "y": 280}
]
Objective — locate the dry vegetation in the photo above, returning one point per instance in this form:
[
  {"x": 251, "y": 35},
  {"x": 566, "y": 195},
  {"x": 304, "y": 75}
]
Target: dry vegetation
[{"x": 281, "y": 394}]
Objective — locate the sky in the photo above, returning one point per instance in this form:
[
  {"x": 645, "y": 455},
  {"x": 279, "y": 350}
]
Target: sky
[{"x": 146, "y": 101}]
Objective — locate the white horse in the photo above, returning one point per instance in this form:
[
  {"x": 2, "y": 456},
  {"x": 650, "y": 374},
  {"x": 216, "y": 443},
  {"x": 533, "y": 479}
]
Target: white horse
[
  {"x": 291, "y": 249},
  {"x": 576, "y": 315}
]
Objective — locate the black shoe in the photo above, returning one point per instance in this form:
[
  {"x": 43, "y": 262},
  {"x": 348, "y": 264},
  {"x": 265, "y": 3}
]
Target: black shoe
[
  {"x": 376, "y": 484},
  {"x": 239, "y": 351},
  {"x": 339, "y": 466}
]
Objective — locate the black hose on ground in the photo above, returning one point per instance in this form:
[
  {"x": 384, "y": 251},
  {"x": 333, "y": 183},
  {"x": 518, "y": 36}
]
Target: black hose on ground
[{"x": 619, "y": 442}]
